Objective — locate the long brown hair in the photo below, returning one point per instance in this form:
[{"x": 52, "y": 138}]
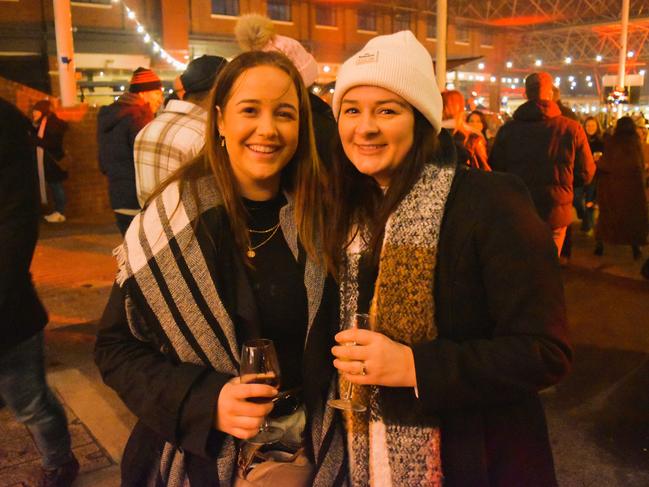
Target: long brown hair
[
  {"x": 303, "y": 177},
  {"x": 357, "y": 199}
]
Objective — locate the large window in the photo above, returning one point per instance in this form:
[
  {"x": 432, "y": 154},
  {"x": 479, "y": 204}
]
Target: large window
[
  {"x": 366, "y": 19},
  {"x": 462, "y": 34},
  {"x": 325, "y": 15},
  {"x": 225, "y": 7},
  {"x": 431, "y": 27},
  {"x": 401, "y": 21},
  {"x": 279, "y": 9}
]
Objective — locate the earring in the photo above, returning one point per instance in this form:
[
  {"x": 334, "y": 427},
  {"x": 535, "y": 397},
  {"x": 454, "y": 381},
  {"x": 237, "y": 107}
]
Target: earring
[{"x": 222, "y": 141}]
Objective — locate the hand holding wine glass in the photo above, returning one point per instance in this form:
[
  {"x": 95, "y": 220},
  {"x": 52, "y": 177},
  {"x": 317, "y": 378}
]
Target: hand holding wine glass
[{"x": 260, "y": 366}]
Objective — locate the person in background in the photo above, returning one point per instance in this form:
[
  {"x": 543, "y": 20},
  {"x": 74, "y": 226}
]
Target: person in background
[
  {"x": 177, "y": 135},
  {"x": 256, "y": 32},
  {"x": 548, "y": 151},
  {"x": 226, "y": 251},
  {"x": 470, "y": 144},
  {"x": 49, "y": 151},
  {"x": 621, "y": 195},
  {"x": 478, "y": 122},
  {"x": 460, "y": 278},
  {"x": 596, "y": 143},
  {"x": 117, "y": 126},
  {"x": 23, "y": 387}
]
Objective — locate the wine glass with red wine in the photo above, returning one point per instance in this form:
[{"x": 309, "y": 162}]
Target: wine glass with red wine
[{"x": 259, "y": 365}]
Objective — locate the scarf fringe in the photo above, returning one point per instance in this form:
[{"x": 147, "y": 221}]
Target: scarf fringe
[{"x": 119, "y": 253}]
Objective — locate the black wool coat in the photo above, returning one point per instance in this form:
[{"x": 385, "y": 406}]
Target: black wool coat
[
  {"x": 21, "y": 313},
  {"x": 502, "y": 328}
]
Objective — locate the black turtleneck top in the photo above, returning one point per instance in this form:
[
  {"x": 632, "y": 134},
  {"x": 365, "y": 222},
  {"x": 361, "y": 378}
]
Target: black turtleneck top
[{"x": 277, "y": 281}]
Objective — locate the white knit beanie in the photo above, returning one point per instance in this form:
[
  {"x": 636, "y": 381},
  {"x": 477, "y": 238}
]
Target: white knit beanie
[
  {"x": 399, "y": 63},
  {"x": 256, "y": 32}
]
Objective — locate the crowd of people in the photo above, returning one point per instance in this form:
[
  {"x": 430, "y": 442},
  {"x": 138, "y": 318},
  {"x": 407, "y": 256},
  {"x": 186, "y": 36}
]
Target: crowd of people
[{"x": 252, "y": 209}]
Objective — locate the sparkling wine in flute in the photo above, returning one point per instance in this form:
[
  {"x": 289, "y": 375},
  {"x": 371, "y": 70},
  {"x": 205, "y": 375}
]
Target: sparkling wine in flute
[
  {"x": 360, "y": 321},
  {"x": 259, "y": 365}
]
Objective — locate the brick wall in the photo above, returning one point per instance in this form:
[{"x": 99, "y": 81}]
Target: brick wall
[{"x": 86, "y": 188}]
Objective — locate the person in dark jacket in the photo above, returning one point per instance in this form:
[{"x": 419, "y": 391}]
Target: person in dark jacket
[
  {"x": 460, "y": 279},
  {"x": 117, "y": 126},
  {"x": 255, "y": 32},
  {"x": 621, "y": 193},
  {"x": 548, "y": 151},
  {"x": 23, "y": 387},
  {"x": 231, "y": 254},
  {"x": 595, "y": 136},
  {"x": 49, "y": 151}
]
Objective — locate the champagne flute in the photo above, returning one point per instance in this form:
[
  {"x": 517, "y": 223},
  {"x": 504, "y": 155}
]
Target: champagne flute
[
  {"x": 259, "y": 365},
  {"x": 362, "y": 322}
]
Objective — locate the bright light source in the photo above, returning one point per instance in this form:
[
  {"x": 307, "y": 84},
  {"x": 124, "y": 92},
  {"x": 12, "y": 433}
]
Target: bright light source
[
  {"x": 557, "y": 80},
  {"x": 589, "y": 78},
  {"x": 101, "y": 73},
  {"x": 590, "y": 84},
  {"x": 568, "y": 60},
  {"x": 509, "y": 64},
  {"x": 503, "y": 80},
  {"x": 471, "y": 78},
  {"x": 642, "y": 72},
  {"x": 599, "y": 58},
  {"x": 316, "y": 89},
  {"x": 156, "y": 47},
  {"x": 516, "y": 80},
  {"x": 147, "y": 38},
  {"x": 571, "y": 78},
  {"x": 492, "y": 79},
  {"x": 538, "y": 62},
  {"x": 630, "y": 54},
  {"x": 131, "y": 15},
  {"x": 513, "y": 87},
  {"x": 122, "y": 88},
  {"x": 505, "y": 99},
  {"x": 480, "y": 66},
  {"x": 331, "y": 90},
  {"x": 140, "y": 29},
  {"x": 326, "y": 68},
  {"x": 170, "y": 91}
]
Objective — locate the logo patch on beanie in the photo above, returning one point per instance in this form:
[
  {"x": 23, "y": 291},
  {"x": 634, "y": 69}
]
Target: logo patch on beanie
[{"x": 367, "y": 58}]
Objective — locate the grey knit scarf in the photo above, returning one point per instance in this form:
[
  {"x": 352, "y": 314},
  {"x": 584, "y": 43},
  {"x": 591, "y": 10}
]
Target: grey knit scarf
[
  {"x": 393, "y": 444},
  {"x": 162, "y": 259}
]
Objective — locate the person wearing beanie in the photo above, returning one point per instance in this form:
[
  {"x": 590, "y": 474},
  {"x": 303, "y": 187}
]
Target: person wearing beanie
[
  {"x": 460, "y": 279},
  {"x": 117, "y": 126},
  {"x": 255, "y": 32},
  {"x": 548, "y": 151},
  {"x": 177, "y": 135},
  {"x": 49, "y": 131}
]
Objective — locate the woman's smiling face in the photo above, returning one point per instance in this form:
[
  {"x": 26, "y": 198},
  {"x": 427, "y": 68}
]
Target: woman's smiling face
[
  {"x": 376, "y": 128},
  {"x": 260, "y": 124}
]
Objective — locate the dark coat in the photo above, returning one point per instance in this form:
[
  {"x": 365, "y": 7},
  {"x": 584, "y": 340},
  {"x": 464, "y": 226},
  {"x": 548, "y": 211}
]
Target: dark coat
[
  {"x": 550, "y": 153},
  {"x": 324, "y": 127},
  {"x": 117, "y": 126},
  {"x": 621, "y": 192},
  {"x": 501, "y": 319},
  {"x": 21, "y": 313},
  {"x": 52, "y": 144},
  {"x": 177, "y": 402}
]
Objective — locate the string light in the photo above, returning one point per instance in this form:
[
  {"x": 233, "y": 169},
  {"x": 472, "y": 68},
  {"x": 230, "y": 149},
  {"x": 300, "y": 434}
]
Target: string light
[{"x": 147, "y": 38}]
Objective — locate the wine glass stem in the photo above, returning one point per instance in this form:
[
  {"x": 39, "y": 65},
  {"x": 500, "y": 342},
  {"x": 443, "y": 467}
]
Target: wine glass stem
[{"x": 348, "y": 392}]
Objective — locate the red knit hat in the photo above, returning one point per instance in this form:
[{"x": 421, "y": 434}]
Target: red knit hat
[{"x": 144, "y": 79}]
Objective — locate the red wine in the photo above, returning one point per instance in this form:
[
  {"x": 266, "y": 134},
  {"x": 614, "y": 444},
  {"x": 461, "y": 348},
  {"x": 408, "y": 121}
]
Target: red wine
[{"x": 268, "y": 378}]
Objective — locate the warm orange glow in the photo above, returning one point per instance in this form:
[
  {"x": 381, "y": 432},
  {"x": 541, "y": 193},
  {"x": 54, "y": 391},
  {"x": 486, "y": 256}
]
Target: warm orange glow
[{"x": 523, "y": 20}]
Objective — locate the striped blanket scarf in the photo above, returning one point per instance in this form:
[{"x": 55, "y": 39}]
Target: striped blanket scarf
[
  {"x": 394, "y": 443},
  {"x": 161, "y": 260}
]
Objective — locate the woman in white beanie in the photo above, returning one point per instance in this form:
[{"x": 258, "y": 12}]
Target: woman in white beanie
[{"x": 460, "y": 279}]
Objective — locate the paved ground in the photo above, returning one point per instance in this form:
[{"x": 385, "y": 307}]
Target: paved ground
[{"x": 598, "y": 417}]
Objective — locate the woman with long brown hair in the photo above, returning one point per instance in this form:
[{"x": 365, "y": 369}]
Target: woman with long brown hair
[
  {"x": 460, "y": 278},
  {"x": 225, "y": 252}
]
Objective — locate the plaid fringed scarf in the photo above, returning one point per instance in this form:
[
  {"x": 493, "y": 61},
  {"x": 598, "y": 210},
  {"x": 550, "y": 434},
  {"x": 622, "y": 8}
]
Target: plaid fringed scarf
[
  {"x": 394, "y": 443},
  {"x": 161, "y": 261}
]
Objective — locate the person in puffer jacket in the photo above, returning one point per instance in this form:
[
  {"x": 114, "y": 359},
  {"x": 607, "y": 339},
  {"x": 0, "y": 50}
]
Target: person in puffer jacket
[
  {"x": 548, "y": 151},
  {"x": 117, "y": 126}
]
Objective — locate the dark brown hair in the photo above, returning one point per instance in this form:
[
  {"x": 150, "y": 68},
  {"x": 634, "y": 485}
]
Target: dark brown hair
[
  {"x": 303, "y": 176},
  {"x": 357, "y": 199}
]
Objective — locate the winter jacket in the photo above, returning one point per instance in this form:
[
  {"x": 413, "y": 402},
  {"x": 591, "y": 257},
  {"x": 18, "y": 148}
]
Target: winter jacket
[
  {"x": 52, "y": 145},
  {"x": 621, "y": 193},
  {"x": 21, "y": 313},
  {"x": 117, "y": 126},
  {"x": 550, "y": 153}
]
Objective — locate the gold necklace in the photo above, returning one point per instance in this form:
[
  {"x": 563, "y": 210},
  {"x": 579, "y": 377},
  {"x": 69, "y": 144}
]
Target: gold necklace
[{"x": 251, "y": 250}]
